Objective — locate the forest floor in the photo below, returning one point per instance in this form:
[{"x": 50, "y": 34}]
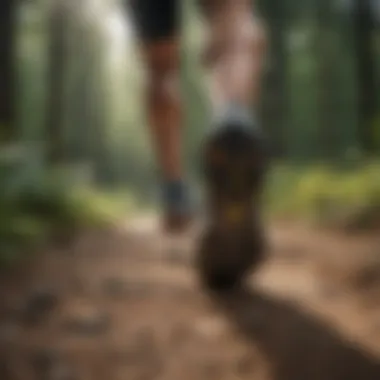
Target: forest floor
[{"x": 125, "y": 305}]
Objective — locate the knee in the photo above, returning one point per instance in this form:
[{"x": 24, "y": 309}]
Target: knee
[
  {"x": 162, "y": 74},
  {"x": 162, "y": 85}
]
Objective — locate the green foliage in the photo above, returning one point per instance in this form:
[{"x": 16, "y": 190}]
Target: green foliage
[
  {"x": 35, "y": 203},
  {"x": 328, "y": 196}
]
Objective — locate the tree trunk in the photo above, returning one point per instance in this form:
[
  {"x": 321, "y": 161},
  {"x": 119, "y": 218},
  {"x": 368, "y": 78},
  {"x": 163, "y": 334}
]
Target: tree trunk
[
  {"x": 7, "y": 112},
  {"x": 99, "y": 116},
  {"x": 57, "y": 56},
  {"x": 364, "y": 25},
  {"x": 275, "y": 97},
  {"x": 326, "y": 80}
]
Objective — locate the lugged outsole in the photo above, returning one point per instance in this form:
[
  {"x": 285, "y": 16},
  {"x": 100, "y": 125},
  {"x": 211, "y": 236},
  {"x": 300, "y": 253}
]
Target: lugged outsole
[{"x": 233, "y": 243}]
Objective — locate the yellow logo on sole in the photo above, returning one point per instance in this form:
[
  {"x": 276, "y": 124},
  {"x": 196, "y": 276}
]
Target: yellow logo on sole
[{"x": 234, "y": 213}]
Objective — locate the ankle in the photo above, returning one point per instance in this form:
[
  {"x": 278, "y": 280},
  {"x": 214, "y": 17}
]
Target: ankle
[
  {"x": 234, "y": 112},
  {"x": 174, "y": 192}
]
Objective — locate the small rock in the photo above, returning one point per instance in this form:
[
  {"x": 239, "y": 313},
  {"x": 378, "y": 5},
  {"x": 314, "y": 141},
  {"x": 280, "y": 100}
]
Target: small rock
[
  {"x": 48, "y": 364},
  {"x": 38, "y": 305},
  {"x": 89, "y": 324}
]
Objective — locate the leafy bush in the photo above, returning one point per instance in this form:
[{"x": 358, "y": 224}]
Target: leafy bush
[
  {"x": 326, "y": 195},
  {"x": 35, "y": 203}
]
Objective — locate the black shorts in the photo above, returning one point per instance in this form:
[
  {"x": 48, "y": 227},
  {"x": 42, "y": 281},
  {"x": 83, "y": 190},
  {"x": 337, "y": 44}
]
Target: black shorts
[{"x": 156, "y": 19}]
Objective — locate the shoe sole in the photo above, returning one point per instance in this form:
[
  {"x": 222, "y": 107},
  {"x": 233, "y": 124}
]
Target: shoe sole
[{"x": 232, "y": 243}]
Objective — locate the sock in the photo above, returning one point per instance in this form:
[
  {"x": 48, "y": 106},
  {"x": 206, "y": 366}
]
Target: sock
[
  {"x": 175, "y": 195},
  {"x": 234, "y": 113}
]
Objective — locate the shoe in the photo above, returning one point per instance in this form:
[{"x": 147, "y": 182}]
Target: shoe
[
  {"x": 178, "y": 212},
  {"x": 234, "y": 164}
]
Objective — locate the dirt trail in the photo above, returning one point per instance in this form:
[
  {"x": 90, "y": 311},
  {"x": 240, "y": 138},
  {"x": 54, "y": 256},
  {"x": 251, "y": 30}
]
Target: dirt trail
[{"x": 125, "y": 305}]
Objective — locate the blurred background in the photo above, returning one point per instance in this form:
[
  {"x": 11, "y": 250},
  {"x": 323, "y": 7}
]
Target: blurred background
[
  {"x": 73, "y": 129},
  {"x": 106, "y": 298}
]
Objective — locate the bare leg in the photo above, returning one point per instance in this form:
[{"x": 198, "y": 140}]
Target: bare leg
[
  {"x": 235, "y": 52},
  {"x": 165, "y": 120}
]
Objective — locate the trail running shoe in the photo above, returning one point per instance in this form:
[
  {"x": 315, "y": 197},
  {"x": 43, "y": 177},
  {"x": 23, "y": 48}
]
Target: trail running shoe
[{"x": 234, "y": 165}]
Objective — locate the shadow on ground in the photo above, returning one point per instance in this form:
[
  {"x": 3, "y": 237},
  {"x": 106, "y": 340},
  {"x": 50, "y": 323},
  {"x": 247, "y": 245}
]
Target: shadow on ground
[{"x": 298, "y": 346}]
